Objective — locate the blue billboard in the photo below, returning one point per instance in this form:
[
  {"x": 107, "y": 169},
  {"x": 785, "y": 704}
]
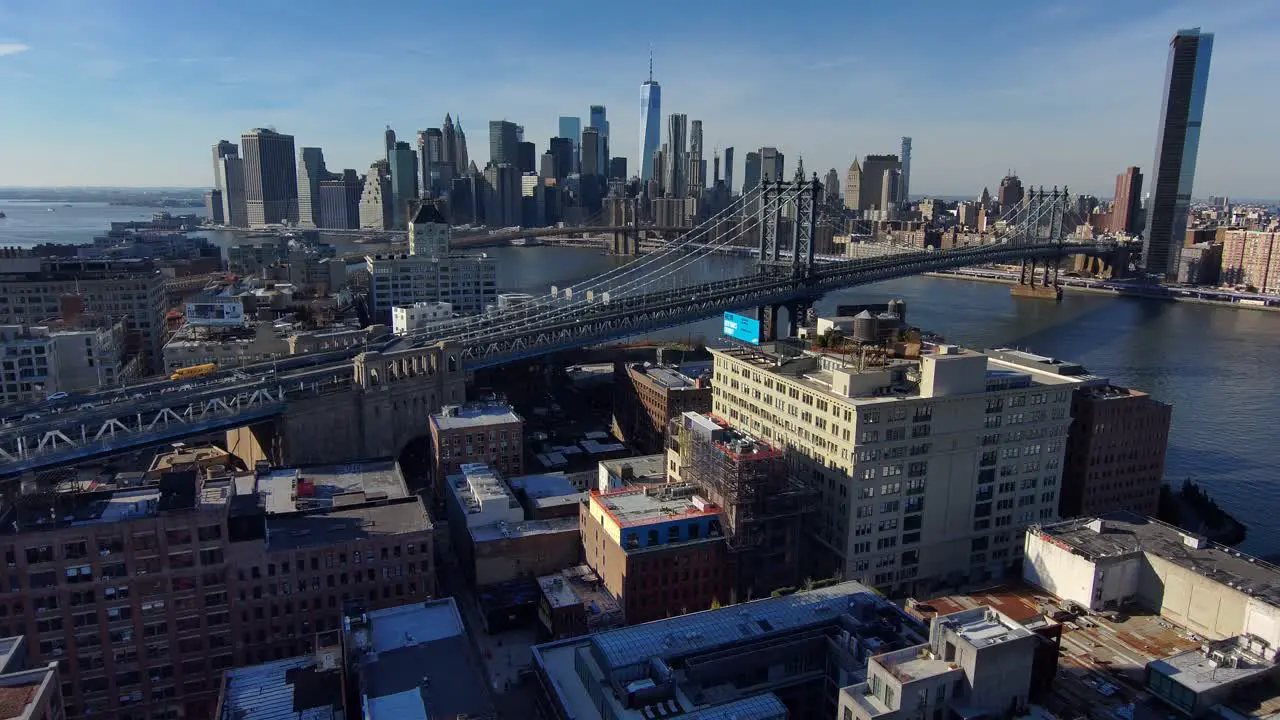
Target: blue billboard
[{"x": 741, "y": 327}]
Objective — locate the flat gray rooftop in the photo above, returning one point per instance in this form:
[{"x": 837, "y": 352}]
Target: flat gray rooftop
[
  {"x": 475, "y": 415},
  {"x": 1126, "y": 534},
  {"x": 496, "y": 531},
  {"x": 370, "y": 522},
  {"x": 312, "y": 488},
  {"x": 290, "y": 689},
  {"x": 422, "y": 665},
  {"x": 709, "y": 629},
  {"x": 1197, "y": 672}
]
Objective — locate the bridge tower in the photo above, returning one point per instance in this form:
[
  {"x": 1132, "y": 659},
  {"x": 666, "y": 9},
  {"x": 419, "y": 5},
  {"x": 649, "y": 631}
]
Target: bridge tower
[
  {"x": 796, "y": 202},
  {"x": 1042, "y": 223},
  {"x": 623, "y": 213}
]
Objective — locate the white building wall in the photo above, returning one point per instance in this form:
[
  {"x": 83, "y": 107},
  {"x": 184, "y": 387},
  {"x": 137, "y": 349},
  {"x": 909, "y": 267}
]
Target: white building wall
[
  {"x": 1196, "y": 602},
  {"x": 1059, "y": 571}
]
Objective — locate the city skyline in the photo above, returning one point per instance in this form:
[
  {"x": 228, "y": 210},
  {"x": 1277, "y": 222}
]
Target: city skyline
[{"x": 190, "y": 90}]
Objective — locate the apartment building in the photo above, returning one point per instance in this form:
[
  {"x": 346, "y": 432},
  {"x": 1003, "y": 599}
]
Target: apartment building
[
  {"x": 486, "y": 432},
  {"x": 406, "y": 319},
  {"x": 130, "y": 290},
  {"x": 1251, "y": 259},
  {"x": 144, "y": 595},
  {"x": 771, "y": 659},
  {"x": 978, "y": 660},
  {"x": 659, "y": 550},
  {"x": 1115, "y": 452},
  {"x": 467, "y": 282},
  {"x": 492, "y": 538},
  {"x": 929, "y": 469},
  {"x": 646, "y": 397}
]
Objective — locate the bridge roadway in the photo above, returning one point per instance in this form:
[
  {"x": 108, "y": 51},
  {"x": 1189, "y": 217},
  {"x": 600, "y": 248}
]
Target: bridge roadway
[{"x": 116, "y": 421}]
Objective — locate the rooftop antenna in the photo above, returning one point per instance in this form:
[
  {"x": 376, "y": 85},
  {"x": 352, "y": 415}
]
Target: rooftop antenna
[{"x": 650, "y": 62}]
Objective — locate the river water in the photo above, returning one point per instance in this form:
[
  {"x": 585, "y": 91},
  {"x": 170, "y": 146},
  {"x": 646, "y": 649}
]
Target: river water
[{"x": 1213, "y": 364}]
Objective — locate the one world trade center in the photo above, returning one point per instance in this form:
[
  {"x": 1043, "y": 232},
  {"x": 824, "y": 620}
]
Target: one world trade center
[{"x": 650, "y": 122}]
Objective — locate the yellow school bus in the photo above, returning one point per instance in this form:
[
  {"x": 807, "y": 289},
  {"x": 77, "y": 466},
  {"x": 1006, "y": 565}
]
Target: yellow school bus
[{"x": 194, "y": 371}]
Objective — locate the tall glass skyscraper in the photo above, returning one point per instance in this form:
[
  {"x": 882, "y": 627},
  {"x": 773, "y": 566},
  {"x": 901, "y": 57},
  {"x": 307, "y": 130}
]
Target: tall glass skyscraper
[
  {"x": 650, "y": 123},
  {"x": 599, "y": 122},
  {"x": 571, "y": 127},
  {"x": 1185, "y": 82}
]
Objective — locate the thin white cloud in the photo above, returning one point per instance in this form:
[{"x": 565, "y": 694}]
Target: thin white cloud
[{"x": 13, "y": 48}]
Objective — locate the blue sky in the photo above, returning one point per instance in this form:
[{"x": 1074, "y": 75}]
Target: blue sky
[{"x": 134, "y": 92}]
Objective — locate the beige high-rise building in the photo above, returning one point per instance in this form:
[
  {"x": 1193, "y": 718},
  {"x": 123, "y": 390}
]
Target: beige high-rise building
[
  {"x": 930, "y": 469},
  {"x": 375, "y": 199},
  {"x": 853, "y": 186}
]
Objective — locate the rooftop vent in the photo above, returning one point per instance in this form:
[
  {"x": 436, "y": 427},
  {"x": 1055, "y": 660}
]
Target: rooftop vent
[
  {"x": 1196, "y": 542},
  {"x": 1098, "y": 525}
]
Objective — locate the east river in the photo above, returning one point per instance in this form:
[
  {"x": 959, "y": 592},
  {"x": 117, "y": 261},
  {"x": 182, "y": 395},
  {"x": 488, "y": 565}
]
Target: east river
[{"x": 1214, "y": 364}]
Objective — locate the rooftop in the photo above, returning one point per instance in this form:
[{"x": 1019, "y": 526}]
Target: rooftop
[
  {"x": 290, "y": 689},
  {"x": 208, "y": 454},
  {"x": 983, "y": 627},
  {"x": 419, "y": 664},
  {"x": 639, "y": 469},
  {"x": 506, "y": 531},
  {"x": 547, "y": 489},
  {"x": 671, "y": 377},
  {"x": 19, "y": 690},
  {"x": 709, "y": 629},
  {"x": 739, "y": 445},
  {"x": 632, "y": 507},
  {"x": 8, "y": 652},
  {"x": 580, "y": 586},
  {"x": 326, "y": 486},
  {"x": 175, "y": 492},
  {"x": 14, "y": 699},
  {"x": 479, "y": 490},
  {"x": 474, "y": 415},
  {"x": 290, "y": 532},
  {"x": 1224, "y": 662},
  {"x": 1122, "y": 535}
]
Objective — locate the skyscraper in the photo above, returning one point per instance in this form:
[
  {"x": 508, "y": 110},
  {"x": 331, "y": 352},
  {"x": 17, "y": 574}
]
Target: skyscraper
[
  {"x": 590, "y": 149},
  {"x": 650, "y": 123},
  {"x": 404, "y": 183},
  {"x": 600, "y": 123},
  {"x": 502, "y": 142},
  {"x": 339, "y": 205},
  {"x": 571, "y": 127},
  {"x": 831, "y": 193},
  {"x": 462, "y": 160},
  {"x": 677, "y": 162},
  {"x": 871, "y": 186},
  {"x": 905, "y": 187},
  {"x": 1010, "y": 192},
  {"x": 697, "y": 165},
  {"x": 376, "y": 212},
  {"x": 389, "y": 139},
  {"x": 1128, "y": 204},
  {"x": 449, "y": 146},
  {"x": 228, "y": 176},
  {"x": 311, "y": 171},
  {"x": 526, "y": 157},
  {"x": 853, "y": 186},
  {"x": 890, "y": 188},
  {"x": 728, "y": 169},
  {"x": 1186, "y": 81},
  {"x": 751, "y": 172},
  {"x": 562, "y": 149},
  {"x": 270, "y": 177},
  {"x": 771, "y": 164}
]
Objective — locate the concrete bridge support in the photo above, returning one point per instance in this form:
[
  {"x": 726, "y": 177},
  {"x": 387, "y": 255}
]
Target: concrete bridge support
[
  {"x": 626, "y": 242},
  {"x": 389, "y": 404}
]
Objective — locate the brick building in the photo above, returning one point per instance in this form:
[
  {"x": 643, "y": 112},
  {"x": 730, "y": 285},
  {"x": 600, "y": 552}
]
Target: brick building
[
  {"x": 1251, "y": 258},
  {"x": 493, "y": 540},
  {"x": 660, "y": 551},
  {"x": 647, "y": 397},
  {"x": 147, "y": 594},
  {"x": 490, "y": 433},
  {"x": 1115, "y": 452}
]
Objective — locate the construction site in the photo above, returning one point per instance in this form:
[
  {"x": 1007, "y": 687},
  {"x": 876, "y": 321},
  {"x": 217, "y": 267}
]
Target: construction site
[{"x": 764, "y": 506}]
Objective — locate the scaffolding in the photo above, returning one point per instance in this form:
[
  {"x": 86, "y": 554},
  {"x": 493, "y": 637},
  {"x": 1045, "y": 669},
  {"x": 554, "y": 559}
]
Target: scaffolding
[{"x": 748, "y": 478}]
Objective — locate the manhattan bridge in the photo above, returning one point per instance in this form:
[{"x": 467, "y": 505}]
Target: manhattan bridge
[{"x": 413, "y": 375}]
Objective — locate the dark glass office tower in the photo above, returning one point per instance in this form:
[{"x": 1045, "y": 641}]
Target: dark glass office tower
[{"x": 1186, "y": 79}]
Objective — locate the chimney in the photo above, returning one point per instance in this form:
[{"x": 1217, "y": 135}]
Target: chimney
[{"x": 71, "y": 307}]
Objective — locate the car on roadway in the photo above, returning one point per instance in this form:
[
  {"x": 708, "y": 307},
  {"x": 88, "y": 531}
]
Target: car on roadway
[{"x": 56, "y": 397}]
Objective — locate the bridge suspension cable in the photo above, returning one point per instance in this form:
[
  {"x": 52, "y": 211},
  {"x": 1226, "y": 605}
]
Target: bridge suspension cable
[{"x": 531, "y": 309}]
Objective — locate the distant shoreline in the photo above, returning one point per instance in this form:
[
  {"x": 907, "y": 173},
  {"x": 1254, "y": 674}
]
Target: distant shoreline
[{"x": 959, "y": 275}]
